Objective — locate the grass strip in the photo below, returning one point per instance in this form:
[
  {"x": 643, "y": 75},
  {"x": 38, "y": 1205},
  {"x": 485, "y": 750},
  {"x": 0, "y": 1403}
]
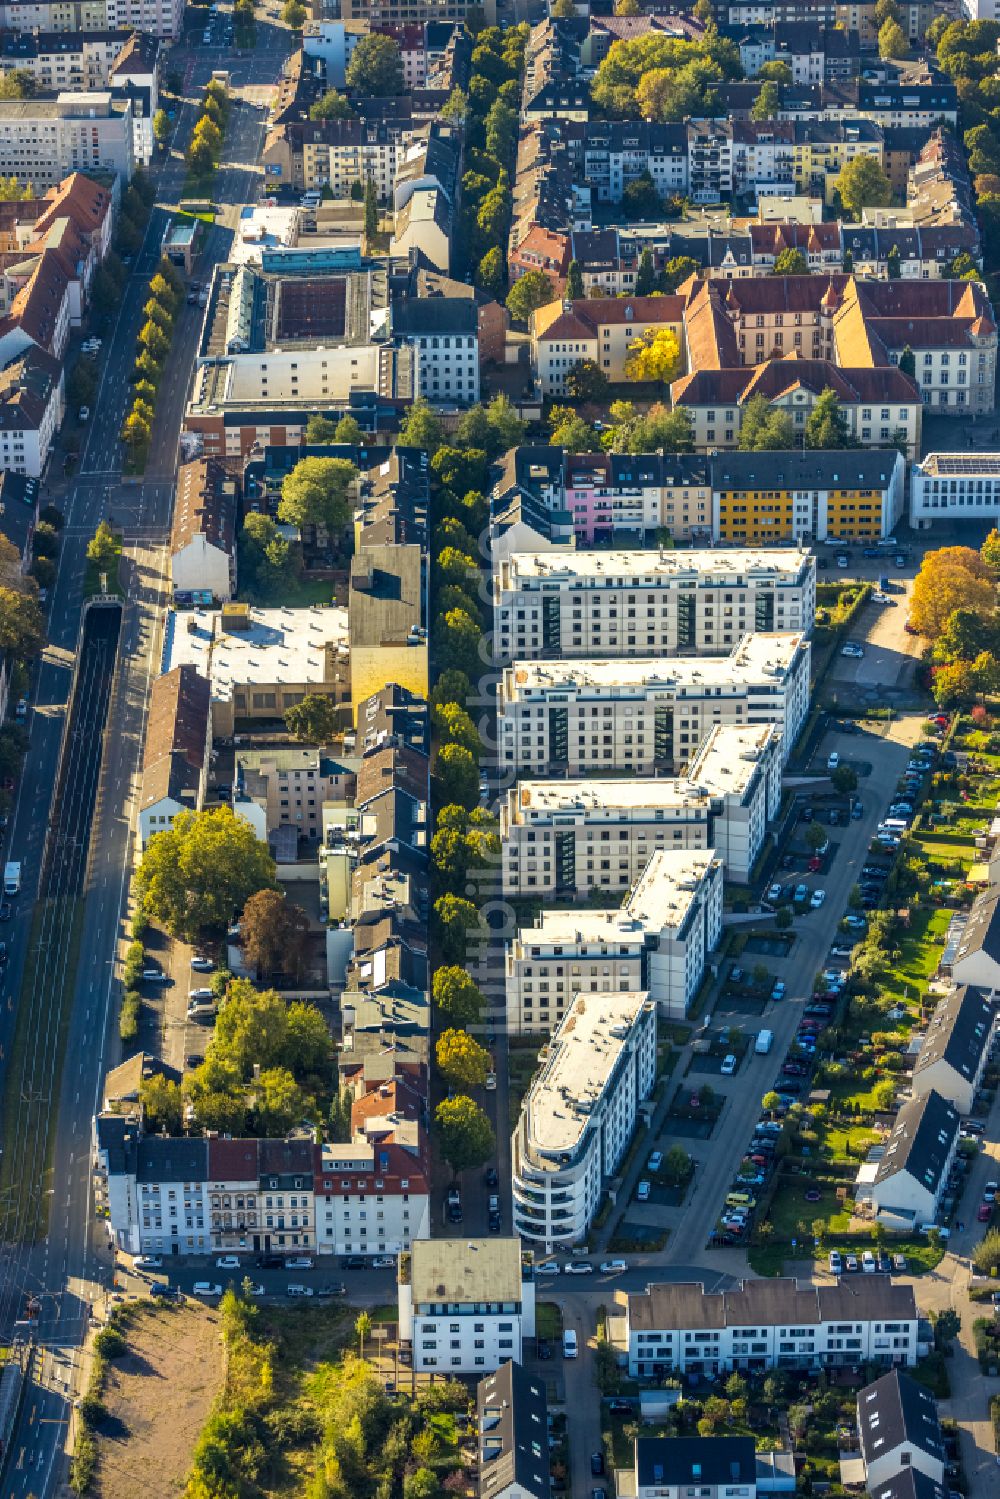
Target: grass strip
[{"x": 42, "y": 1007}]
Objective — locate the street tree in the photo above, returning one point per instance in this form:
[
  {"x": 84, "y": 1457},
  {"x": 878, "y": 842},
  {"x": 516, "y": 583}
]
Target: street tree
[
  {"x": 312, "y": 720},
  {"x": 461, "y": 1060},
  {"x": 162, "y": 128},
  {"x": 949, "y": 579},
  {"x": 844, "y": 779},
  {"x": 464, "y": 1134},
  {"x": 320, "y": 430},
  {"x": 457, "y": 997},
  {"x": 195, "y": 874},
  {"x": 458, "y": 925},
  {"x": 273, "y": 933},
  {"x": 317, "y": 493},
  {"x": 767, "y": 103},
  {"x": 455, "y": 725},
  {"x": 456, "y": 775}
]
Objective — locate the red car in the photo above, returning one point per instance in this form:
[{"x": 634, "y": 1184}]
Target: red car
[
  {"x": 814, "y": 864},
  {"x": 985, "y": 1212}
]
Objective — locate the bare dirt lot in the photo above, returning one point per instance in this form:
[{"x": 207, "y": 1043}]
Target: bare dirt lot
[{"x": 158, "y": 1397}]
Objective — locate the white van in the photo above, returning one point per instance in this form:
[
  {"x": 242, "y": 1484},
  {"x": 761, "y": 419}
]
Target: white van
[
  {"x": 893, "y": 825},
  {"x": 570, "y": 1349},
  {"x": 763, "y": 1043}
]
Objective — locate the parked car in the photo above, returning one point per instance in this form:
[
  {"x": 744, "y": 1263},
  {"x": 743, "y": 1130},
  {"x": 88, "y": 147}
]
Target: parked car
[
  {"x": 655, "y": 1161},
  {"x": 578, "y": 1267},
  {"x": 816, "y": 899},
  {"x": 201, "y": 964},
  {"x": 155, "y": 976},
  {"x": 384, "y": 1262},
  {"x": 299, "y": 1290},
  {"x": 835, "y": 1263},
  {"x": 228, "y": 1262},
  {"x": 148, "y": 1262},
  {"x": 300, "y": 1262},
  {"x": 206, "y": 1288},
  {"x": 613, "y": 1267},
  {"x": 642, "y": 1192},
  {"x": 547, "y": 1267},
  {"x": 728, "y": 1065}
]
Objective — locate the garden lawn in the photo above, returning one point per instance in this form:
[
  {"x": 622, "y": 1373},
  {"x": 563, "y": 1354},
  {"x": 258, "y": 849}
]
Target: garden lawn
[
  {"x": 789, "y": 1209},
  {"x": 920, "y": 953}
]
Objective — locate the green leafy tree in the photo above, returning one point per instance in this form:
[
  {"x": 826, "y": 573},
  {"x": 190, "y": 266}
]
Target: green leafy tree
[
  {"x": 464, "y": 1134},
  {"x": 277, "y": 1100},
  {"x": 455, "y": 725},
  {"x": 457, "y": 776},
  {"x": 103, "y": 548},
  {"x": 294, "y": 14},
  {"x": 791, "y": 263},
  {"x": 162, "y": 128},
  {"x": 908, "y": 362},
  {"x": 320, "y": 429},
  {"x": 461, "y": 1060},
  {"x": 375, "y": 70},
  {"x": 19, "y": 83},
  {"x": 458, "y": 637},
  {"x": 827, "y": 426},
  {"x": 195, "y": 874},
  {"x": 765, "y": 428},
  {"x": 456, "y": 919},
  {"x": 421, "y": 427},
  {"x": 892, "y": 41},
  {"x": 348, "y": 431},
  {"x": 371, "y": 209},
  {"x": 767, "y": 103},
  {"x": 332, "y": 106},
  {"x": 777, "y": 71},
  {"x": 491, "y": 272},
  {"x": 645, "y": 276},
  {"x": 844, "y": 779},
  {"x": 312, "y": 720},
  {"x": 574, "y": 282},
  {"x": 863, "y": 184},
  {"x": 317, "y": 493},
  {"x": 529, "y": 292},
  {"x": 587, "y": 382},
  {"x": 163, "y": 1104},
  {"x": 458, "y": 999}
]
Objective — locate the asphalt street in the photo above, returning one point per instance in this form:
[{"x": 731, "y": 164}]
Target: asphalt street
[{"x": 68, "y": 1270}]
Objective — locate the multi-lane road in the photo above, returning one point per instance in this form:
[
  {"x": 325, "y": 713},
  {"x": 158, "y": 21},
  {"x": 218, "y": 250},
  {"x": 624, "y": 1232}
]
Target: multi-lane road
[{"x": 68, "y": 1268}]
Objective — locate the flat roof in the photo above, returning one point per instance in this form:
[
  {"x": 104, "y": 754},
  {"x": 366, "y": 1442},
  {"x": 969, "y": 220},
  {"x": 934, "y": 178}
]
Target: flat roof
[
  {"x": 661, "y": 897},
  {"x": 260, "y": 229},
  {"x": 785, "y": 564},
  {"x": 280, "y": 645},
  {"x": 588, "y": 796},
  {"x": 465, "y": 1270},
  {"x": 582, "y": 1054},
  {"x": 755, "y": 658},
  {"x": 937, "y": 465},
  {"x": 728, "y": 756}
]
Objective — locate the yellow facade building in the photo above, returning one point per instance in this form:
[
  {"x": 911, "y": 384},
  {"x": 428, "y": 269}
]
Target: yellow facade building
[{"x": 762, "y": 498}]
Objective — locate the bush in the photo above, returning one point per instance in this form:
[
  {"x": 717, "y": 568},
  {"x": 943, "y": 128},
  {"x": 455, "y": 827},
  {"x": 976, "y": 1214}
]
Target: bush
[
  {"x": 128, "y": 1020},
  {"x": 110, "y": 1343},
  {"x": 135, "y": 959}
]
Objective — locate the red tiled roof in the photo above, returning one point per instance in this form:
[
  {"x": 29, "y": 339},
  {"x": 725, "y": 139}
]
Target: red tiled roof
[{"x": 232, "y": 1160}]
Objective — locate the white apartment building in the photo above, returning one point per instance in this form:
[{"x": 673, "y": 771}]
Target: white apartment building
[
  {"x": 641, "y": 714},
  {"x": 947, "y": 487},
  {"x": 579, "y": 1115},
  {"x": 154, "y": 1189},
  {"x": 44, "y": 140},
  {"x": 372, "y": 1197},
  {"x": 600, "y": 603},
  {"x": 564, "y": 838},
  {"x": 657, "y": 941},
  {"x": 158, "y": 17},
  {"x": 465, "y": 1306},
  {"x": 768, "y": 1324}
]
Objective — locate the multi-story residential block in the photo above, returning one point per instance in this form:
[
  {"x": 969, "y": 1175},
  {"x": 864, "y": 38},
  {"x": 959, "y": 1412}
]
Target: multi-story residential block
[
  {"x": 710, "y": 160},
  {"x": 566, "y": 838},
  {"x": 287, "y": 785},
  {"x": 955, "y": 486},
  {"x": 579, "y": 1114},
  {"x": 606, "y": 495},
  {"x": 601, "y": 329},
  {"x": 643, "y": 714},
  {"x": 373, "y": 1195},
  {"x": 824, "y": 147},
  {"x": 62, "y": 60},
  {"x": 512, "y": 1417},
  {"x": 465, "y": 1305},
  {"x": 203, "y": 531},
  {"x": 553, "y": 604},
  {"x": 804, "y": 496},
  {"x": 32, "y": 403},
  {"x": 154, "y": 1188},
  {"x": 411, "y": 12},
  {"x": 718, "y": 1467},
  {"x": 388, "y": 618},
  {"x": 899, "y": 1430},
  {"x": 775, "y": 1324},
  {"x": 904, "y": 1182},
  {"x": 177, "y": 750},
  {"x": 658, "y": 941},
  {"x": 956, "y": 1047},
  {"x": 609, "y": 154},
  {"x": 44, "y": 140},
  {"x": 977, "y": 957},
  {"x": 443, "y": 338}
]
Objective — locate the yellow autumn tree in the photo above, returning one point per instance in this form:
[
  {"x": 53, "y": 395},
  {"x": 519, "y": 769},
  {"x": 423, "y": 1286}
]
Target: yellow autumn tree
[
  {"x": 655, "y": 356},
  {"x": 950, "y": 578}
]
